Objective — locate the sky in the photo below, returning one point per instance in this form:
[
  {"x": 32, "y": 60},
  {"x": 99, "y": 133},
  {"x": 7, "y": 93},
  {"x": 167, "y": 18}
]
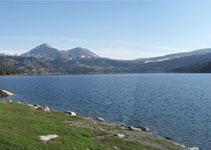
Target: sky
[{"x": 113, "y": 29}]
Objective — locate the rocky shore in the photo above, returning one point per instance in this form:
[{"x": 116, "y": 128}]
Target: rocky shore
[
  {"x": 103, "y": 130},
  {"x": 138, "y": 134}
]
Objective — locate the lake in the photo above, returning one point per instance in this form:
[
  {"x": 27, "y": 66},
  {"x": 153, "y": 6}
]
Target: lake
[{"x": 175, "y": 105}]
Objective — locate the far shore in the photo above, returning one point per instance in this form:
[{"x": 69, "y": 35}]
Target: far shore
[{"x": 155, "y": 73}]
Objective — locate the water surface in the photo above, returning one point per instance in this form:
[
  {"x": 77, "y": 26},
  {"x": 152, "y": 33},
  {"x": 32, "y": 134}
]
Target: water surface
[{"x": 175, "y": 105}]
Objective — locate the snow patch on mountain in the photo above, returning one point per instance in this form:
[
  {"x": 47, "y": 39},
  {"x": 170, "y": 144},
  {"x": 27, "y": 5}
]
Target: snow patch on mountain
[{"x": 150, "y": 61}]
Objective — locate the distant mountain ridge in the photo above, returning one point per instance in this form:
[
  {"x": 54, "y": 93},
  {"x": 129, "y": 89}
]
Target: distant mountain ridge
[
  {"x": 46, "y": 51},
  {"x": 175, "y": 56},
  {"x": 45, "y": 59}
]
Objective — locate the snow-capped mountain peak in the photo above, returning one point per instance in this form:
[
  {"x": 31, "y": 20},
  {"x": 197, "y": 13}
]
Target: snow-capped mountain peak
[
  {"x": 43, "y": 45},
  {"x": 43, "y": 51},
  {"x": 46, "y": 51},
  {"x": 80, "y": 52}
]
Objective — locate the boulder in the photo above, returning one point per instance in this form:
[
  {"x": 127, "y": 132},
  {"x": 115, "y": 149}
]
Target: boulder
[
  {"x": 168, "y": 138},
  {"x": 100, "y": 120},
  {"x": 36, "y": 105},
  {"x": 10, "y": 101},
  {"x": 46, "y": 138},
  {"x": 4, "y": 93},
  {"x": 120, "y": 135},
  {"x": 132, "y": 128},
  {"x": 143, "y": 128},
  {"x": 122, "y": 125},
  {"x": 71, "y": 113},
  {"x": 193, "y": 148},
  {"x": 41, "y": 108},
  {"x": 30, "y": 105},
  {"x": 46, "y": 108}
]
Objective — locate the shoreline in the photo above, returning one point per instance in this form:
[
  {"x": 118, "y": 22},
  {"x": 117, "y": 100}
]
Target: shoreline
[
  {"x": 125, "y": 129},
  {"x": 150, "y": 73}
]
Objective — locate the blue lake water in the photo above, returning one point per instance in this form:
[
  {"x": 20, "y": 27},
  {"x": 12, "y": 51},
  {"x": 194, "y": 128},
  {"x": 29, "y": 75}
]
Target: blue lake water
[{"x": 175, "y": 105}]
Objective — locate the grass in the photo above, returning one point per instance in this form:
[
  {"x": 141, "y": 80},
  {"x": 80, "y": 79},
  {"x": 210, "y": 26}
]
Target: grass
[{"x": 20, "y": 125}]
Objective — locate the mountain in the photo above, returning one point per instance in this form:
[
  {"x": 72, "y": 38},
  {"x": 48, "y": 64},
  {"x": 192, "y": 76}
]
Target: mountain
[
  {"x": 10, "y": 65},
  {"x": 168, "y": 65},
  {"x": 43, "y": 51},
  {"x": 72, "y": 65},
  {"x": 44, "y": 59},
  {"x": 175, "y": 56},
  {"x": 46, "y": 51},
  {"x": 80, "y": 52}
]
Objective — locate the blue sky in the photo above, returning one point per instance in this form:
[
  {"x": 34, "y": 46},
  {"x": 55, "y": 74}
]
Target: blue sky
[{"x": 120, "y": 29}]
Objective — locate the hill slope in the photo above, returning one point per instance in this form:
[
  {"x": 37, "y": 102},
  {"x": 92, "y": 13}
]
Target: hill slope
[
  {"x": 196, "y": 68},
  {"x": 26, "y": 65},
  {"x": 176, "y": 55}
]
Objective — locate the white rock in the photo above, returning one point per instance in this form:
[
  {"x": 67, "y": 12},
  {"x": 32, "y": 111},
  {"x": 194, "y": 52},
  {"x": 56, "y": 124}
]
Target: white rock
[
  {"x": 30, "y": 105},
  {"x": 194, "y": 148},
  {"x": 4, "y": 93},
  {"x": 46, "y": 108},
  {"x": 47, "y": 137},
  {"x": 143, "y": 128},
  {"x": 71, "y": 113},
  {"x": 132, "y": 128},
  {"x": 35, "y": 107},
  {"x": 120, "y": 135},
  {"x": 42, "y": 108},
  {"x": 100, "y": 119}
]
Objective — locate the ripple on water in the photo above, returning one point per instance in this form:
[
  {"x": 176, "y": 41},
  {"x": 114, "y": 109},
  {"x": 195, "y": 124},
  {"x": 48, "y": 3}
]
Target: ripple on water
[{"x": 175, "y": 105}]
